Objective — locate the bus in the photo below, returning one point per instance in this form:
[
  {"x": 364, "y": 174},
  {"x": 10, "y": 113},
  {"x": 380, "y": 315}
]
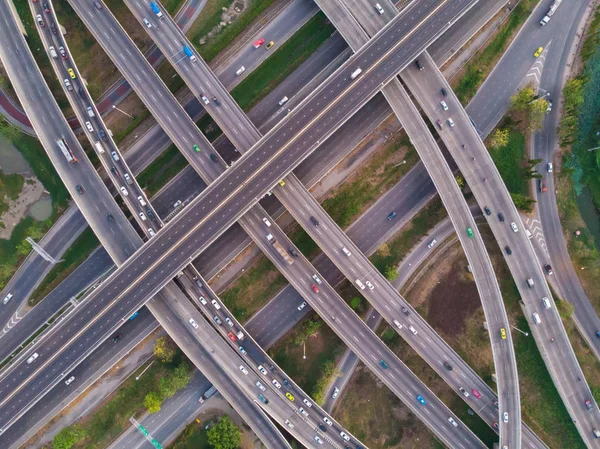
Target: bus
[{"x": 64, "y": 147}]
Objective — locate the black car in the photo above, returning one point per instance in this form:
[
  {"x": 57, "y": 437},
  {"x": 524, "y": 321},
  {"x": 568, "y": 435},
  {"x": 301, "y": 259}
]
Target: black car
[
  {"x": 110, "y": 217},
  {"x": 314, "y": 221},
  {"x": 508, "y": 250},
  {"x": 53, "y": 27},
  {"x": 447, "y": 366},
  {"x": 102, "y": 134},
  {"x": 286, "y": 383},
  {"x": 419, "y": 65},
  {"x": 45, "y": 6},
  {"x": 292, "y": 252},
  {"x": 500, "y": 216},
  {"x": 444, "y": 93},
  {"x": 404, "y": 310},
  {"x": 81, "y": 93},
  {"x": 548, "y": 269},
  {"x": 197, "y": 281},
  {"x": 79, "y": 189},
  {"x": 213, "y": 157},
  {"x": 116, "y": 338},
  {"x": 487, "y": 210},
  {"x": 322, "y": 427},
  {"x": 113, "y": 170}
]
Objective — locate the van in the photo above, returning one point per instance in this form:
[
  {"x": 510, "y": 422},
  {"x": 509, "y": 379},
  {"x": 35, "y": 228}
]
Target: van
[
  {"x": 346, "y": 252},
  {"x": 7, "y": 298},
  {"x": 314, "y": 221},
  {"x": 240, "y": 335},
  {"x": 52, "y": 52},
  {"x": 530, "y": 283},
  {"x": 360, "y": 284},
  {"x": 283, "y": 101},
  {"x": 536, "y": 318},
  {"x": 546, "y": 302},
  {"x": 239, "y": 71},
  {"x": 90, "y": 112},
  {"x": 356, "y": 73},
  {"x": 99, "y": 147}
]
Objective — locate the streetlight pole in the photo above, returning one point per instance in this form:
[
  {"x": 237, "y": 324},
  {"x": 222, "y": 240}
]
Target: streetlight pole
[
  {"x": 401, "y": 163},
  {"x": 122, "y": 111},
  {"x": 517, "y": 329},
  {"x": 593, "y": 149},
  {"x": 145, "y": 369},
  {"x": 304, "y": 356}
]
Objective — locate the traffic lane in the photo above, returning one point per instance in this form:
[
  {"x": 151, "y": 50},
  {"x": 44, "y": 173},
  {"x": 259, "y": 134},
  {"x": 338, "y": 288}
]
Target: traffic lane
[
  {"x": 348, "y": 326},
  {"x": 105, "y": 357},
  {"x": 260, "y": 178},
  {"x": 510, "y": 70},
  {"x": 24, "y": 77},
  {"x": 519, "y": 262},
  {"x": 233, "y": 386},
  {"x": 473, "y": 245}
]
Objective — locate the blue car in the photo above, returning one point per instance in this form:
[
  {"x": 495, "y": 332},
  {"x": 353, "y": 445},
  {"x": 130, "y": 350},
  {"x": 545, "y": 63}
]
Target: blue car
[
  {"x": 134, "y": 316},
  {"x": 421, "y": 400},
  {"x": 391, "y": 215},
  {"x": 383, "y": 364}
]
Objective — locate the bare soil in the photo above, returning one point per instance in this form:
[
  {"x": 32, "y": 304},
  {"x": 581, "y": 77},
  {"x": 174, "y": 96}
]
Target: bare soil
[{"x": 32, "y": 191}]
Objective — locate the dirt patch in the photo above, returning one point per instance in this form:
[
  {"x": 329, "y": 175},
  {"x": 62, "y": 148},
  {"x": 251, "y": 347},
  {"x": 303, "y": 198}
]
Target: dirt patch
[{"x": 31, "y": 192}]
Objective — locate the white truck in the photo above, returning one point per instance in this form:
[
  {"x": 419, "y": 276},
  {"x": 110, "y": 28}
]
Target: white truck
[{"x": 550, "y": 12}]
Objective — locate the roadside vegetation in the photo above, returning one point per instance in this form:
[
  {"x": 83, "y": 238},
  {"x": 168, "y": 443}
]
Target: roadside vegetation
[
  {"x": 483, "y": 62},
  {"x": 220, "y": 434},
  {"x": 164, "y": 168},
  {"x": 99, "y": 427}
]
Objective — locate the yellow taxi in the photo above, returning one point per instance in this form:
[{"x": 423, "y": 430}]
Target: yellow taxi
[
  {"x": 281, "y": 183},
  {"x": 71, "y": 73},
  {"x": 289, "y": 396},
  {"x": 538, "y": 51},
  {"x": 503, "y": 333}
]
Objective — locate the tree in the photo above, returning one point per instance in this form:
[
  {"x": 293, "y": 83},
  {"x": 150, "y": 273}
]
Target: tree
[
  {"x": 384, "y": 250},
  {"x": 460, "y": 181},
  {"x": 225, "y": 434},
  {"x": 165, "y": 349},
  {"x": 537, "y": 113},
  {"x": 67, "y": 437},
  {"x": 391, "y": 273},
  {"x": 152, "y": 402},
  {"x": 521, "y": 100},
  {"x": 522, "y": 202},
  {"x": 498, "y": 138},
  {"x": 170, "y": 384},
  {"x": 355, "y": 303}
]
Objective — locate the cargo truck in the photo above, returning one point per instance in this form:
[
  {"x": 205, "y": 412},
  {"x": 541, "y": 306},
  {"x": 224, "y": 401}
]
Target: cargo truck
[
  {"x": 280, "y": 249},
  {"x": 156, "y": 10},
  {"x": 189, "y": 53},
  {"x": 550, "y": 12},
  {"x": 207, "y": 394}
]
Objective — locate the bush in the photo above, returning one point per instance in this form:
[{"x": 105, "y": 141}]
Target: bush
[
  {"x": 152, "y": 402},
  {"x": 225, "y": 434},
  {"x": 329, "y": 372},
  {"x": 67, "y": 437},
  {"x": 165, "y": 349}
]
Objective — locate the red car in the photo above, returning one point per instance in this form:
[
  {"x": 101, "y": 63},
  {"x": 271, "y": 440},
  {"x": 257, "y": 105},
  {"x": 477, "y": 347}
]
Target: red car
[
  {"x": 476, "y": 393},
  {"x": 231, "y": 336},
  {"x": 315, "y": 288},
  {"x": 259, "y": 42}
]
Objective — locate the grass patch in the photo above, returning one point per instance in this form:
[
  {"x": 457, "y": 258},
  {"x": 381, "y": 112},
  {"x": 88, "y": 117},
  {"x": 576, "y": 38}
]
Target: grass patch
[
  {"x": 509, "y": 162},
  {"x": 283, "y": 62},
  {"x": 484, "y": 61},
  {"x": 322, "y": 348},
  {"x": 252, "y": 290},
  {"x": 73, "y": 257},
  {"x": 161, "y": 170},
  {"x": 172, "y": 6},
  {"x": 211, "y": 16},
  {"x": 118, "y": 137},
  {"x": 194, "y": 436},
  {"x": 10, "y": 188},
  {"x": 112, "y": 417}
]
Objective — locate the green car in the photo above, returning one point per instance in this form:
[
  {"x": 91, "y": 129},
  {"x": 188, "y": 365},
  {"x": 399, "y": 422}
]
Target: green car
[
  {"x": 196, "y": 148},
  {"x": 470, "y": 233}
]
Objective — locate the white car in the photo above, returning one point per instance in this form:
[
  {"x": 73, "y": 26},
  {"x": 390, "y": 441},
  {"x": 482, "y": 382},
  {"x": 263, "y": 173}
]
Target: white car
[
  {"x": 318, "y": 440},
  {"x": 151, "y": 232},
  {"x": 205, "y": 100},
  {"x": 450, "y": 123},
  {"x": 344, "y": 435},
  {"x": 267, "y": 222},
  {"x": 303, "y": 411},
  {"x": 7, "y": 298},
  {"x": 262, "y": 370},
  {"x": 177, "y": 204},
  {"x": 444, "y": 105},
  {"x": 317, "y": 280},
  {"x": 513, "y": 225},
  {"x": 114, "y": 155},
  {"x": 147, "y": 23},
  {"x": 371, "y": 286},
  {"x": 89, "y": 127},
  {"x": 289, "y": 424},
  {"x": 69, "y": 380},
  {"x": 452, "y": 421},
  {"x": 335, "y": 393},
  {"x": 327, "y": 421},
  {"x": 142, "y": 216},
  {"x": 193, "y": 323},
  {"x": 124, "y": 191},
  {"x": 432, "y": 244},
  {"x": 379, "y": 8},
  {"x": 505, "y": 417},
  {"x": 260, "y": 386},
  {"x": 412, "y": 329},
  {"x": 141, "y": 200},
  {"x": 33, "y": 356},
  {"x": 228, "y": 321},
  {"x": 307, "y": 403},
  {"x": 277, "y": 384},
  {"x": 215, "y": 304},
  {"x": 549, "y": 167},
  {"x": 302, "y": 306},
  {"x": 243, "y": 370}
]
